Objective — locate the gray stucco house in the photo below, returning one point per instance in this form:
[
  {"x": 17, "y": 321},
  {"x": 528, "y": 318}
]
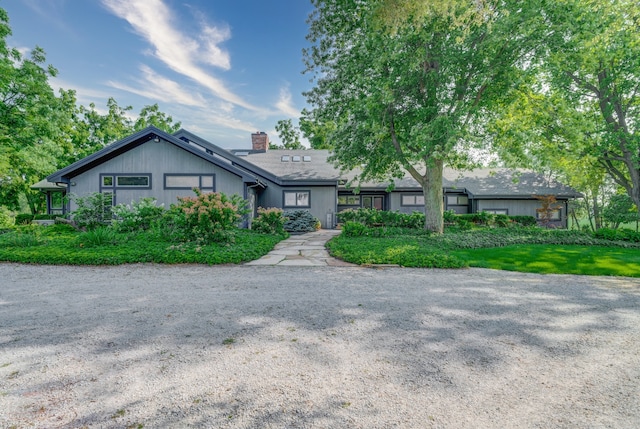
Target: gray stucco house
[{"x": 153, "y": 163}]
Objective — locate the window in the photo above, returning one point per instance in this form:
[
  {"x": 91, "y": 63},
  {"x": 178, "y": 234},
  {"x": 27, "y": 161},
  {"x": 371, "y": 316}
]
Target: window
[
  {"x": 284, "y": 158},
  {"x": 457, "y": 200},
  {"x": 132, "y": 181},
  {"x": 297, "y": 198},
  {"x": 125, "y": 181},
  {"x": 306, "y": 158},
  {"x": 295, "y": 158},
  {"x": 412, "y": 200},
  {"x": 496, "y": 211},
  {"x": 554, "y": 214},
  {"x": 189, "y": 181},
  {"x": 349, "y": 200}
]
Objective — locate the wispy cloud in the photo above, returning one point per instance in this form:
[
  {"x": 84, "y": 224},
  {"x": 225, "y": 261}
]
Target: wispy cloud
[
  {"x": 285, "y": 103},
  {"x": 157, "y": 87},
  {"x": 151, "y": 19}
]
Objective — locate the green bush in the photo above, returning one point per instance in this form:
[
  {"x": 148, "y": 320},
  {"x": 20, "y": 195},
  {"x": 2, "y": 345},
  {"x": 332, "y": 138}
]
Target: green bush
[
  {"x": 269, "y": 221},
  {"x": 100, "y": 236},
  {"x": 94, "y": 210},
  {"x": 623, "y": 234},
  {"x": 23, "y": 219},
  {"x": 381, "y": 218},
  {"x": 300, "y": 221},
  {"x": 138, "y": 216},
  {"x": 354, "y": 229},
  {"x": 208, "y": 217}
]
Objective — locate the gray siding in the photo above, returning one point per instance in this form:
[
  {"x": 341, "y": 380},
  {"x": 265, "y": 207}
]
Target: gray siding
[
  {"x": 323, "y": 200},
  {"x": 156, "y": 159}
]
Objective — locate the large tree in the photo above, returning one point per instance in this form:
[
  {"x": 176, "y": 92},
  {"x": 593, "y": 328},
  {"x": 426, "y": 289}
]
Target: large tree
[
  {"x": 410, "y": 92},
  {"x": 593, "y": 65},
  {"x": 31, "y": 117}
]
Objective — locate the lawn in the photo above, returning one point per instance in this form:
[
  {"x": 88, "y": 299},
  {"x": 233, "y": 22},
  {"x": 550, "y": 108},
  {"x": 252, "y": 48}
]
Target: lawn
[
  {"x": 558, "y": 259},
  {"x": 534, "y": 250}
]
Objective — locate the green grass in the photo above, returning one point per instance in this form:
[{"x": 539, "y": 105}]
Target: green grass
[
  {"x": 58, "y": 245},
  {"x": 517, "y": 249},
  {"x": 556, "y": 259}
]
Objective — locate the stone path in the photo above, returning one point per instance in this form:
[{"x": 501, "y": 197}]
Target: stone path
[{"x": 306, "y": 250}]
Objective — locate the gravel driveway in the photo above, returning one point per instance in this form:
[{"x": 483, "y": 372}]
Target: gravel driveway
[{"x": 319, "y": 347}]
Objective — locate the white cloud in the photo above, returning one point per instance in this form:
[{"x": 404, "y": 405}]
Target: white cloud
[
  {"x": 151, "y": 19},
  {"x": 285, "y": 103},
  {"x": 158, "y": 87}
]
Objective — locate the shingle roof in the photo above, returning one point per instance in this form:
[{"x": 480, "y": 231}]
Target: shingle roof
[{"x": 484, "y": 183}]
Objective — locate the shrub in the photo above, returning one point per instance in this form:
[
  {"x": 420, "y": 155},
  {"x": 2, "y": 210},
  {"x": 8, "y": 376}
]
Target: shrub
[
  {"x": 354, "y": 229},
  {"x": 100, "y": 236},
  {"x": 618, "y": 235},
  {"x": 300, "y": 221},
  {"x": 139, "y": 216},
  {"x": 25, "y": 236},
  {"x": 524, "y": 220},
  {"x": 269, "y": 221},
  {"x": 93, "y": 211},
  {"x": 6, "y": 218},
  {"x": 208, "y": 217},
  {"x": 381, "y": 218},
  {"x": 23, "y": 219}
]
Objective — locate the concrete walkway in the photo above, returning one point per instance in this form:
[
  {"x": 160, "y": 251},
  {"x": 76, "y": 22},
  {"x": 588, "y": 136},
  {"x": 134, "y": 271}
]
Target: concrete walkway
[{"x": 306, "y": 250}]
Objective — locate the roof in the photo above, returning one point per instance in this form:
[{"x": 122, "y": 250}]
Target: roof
[
  {"x": 45, "y": 185},
  {"x": 136, "y": 139}
]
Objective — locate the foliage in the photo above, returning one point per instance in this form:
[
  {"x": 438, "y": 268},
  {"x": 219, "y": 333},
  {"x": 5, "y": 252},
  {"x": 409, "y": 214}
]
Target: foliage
[
  {"x": 412, "y": 97},
  {"x": 210, "y": 217},
  {"x": 93, "y": 210},
  {"x": 549, "y": 205},
  {"x": 622, "y": 234},
  {"x": 139, "y": 215},
  {"x": 61, "y": 244},
  {"x": 99, "y": 236},
  {"x": 24, "y": 218},
  {"x": 152, "y": 116},
  {"x": 300, "y": 221},
  {"x": 269, "y": 221},
  {"x": 7, "y": 218},
  {"x": 373, "y": 217},
  {"x": 289, "y": 135},
  {"x": 619, "y": 209}
]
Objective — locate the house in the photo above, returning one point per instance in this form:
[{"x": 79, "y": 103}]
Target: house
[{"x": 153, "y": 163}]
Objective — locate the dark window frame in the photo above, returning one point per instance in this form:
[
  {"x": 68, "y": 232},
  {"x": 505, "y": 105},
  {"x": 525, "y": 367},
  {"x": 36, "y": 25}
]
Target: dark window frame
[
  {"x": 200, "y": 176},
  {"x": 305, "y": 191}
]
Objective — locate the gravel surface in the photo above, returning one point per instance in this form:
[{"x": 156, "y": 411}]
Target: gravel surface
[{"x": 320, "y": 347}]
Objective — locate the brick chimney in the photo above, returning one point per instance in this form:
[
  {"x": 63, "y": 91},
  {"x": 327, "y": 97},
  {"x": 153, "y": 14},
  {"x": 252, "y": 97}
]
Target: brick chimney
[{"x": 260, "y": 141}]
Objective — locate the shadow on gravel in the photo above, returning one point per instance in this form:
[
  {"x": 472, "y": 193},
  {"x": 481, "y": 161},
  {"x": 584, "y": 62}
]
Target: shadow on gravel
[{"x": 152, "y": 346}]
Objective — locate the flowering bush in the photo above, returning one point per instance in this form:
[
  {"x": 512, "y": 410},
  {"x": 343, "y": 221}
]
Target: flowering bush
[
  {"x": 209, "y": 217},
  {"x": 269, "y": 221},
  {"x": 138, "y": 216}
]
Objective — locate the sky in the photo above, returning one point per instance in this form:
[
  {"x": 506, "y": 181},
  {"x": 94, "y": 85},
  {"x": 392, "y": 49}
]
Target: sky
[{"x": 223, "y": 68}]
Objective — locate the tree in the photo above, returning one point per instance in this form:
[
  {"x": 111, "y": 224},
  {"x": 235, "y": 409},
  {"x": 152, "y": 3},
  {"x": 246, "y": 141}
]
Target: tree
[
  {"x": 593, "y": 65},
  {"x": 289, "y": 135},
  {"x": 31, "y": 117},
  {"x": 316, "y": 131},
  {"x": 411, "y": 95},
  {"x": 151, "y": 115}
]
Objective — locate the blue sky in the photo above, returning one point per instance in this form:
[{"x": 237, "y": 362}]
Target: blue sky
[{"x": 224, "y": 68}]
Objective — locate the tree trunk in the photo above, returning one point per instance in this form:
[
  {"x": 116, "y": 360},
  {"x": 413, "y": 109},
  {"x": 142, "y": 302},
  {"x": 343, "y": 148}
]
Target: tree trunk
[{"x": 433, "y": 198}]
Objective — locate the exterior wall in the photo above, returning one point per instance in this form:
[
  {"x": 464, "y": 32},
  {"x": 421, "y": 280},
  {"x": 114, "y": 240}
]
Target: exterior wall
[
  {"x": 156, "y": 159},
  {"x": 520, "y": 208},
  {"x": 322, "y": 201}
]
